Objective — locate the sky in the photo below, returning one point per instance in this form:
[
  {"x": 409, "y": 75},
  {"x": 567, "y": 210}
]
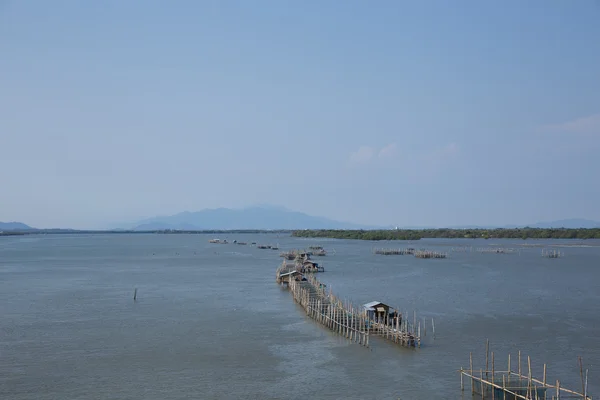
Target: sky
[{"x": 409, "y": 113}]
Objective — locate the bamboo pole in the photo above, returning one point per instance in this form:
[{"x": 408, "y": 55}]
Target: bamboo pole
[
  {"x": 519, "y": 364},
  {"x": 493, "y": 377},
  {"x": 581, "y": 374},
  {"x": 487, "y": 353},
  {"x": 471, "y": 370},
  {"x": 586, "y": 384},
  {"x": 544, "y": 381},
  {"x": 529, "y": 382},
  {"x": 481, "y": 384}
]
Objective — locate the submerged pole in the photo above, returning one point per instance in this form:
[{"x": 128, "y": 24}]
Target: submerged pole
[{"x": 135, "y": 295}]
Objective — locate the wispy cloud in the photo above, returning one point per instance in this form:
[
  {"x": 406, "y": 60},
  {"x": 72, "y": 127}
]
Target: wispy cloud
[
  {"x": 368, "y": 154},
  {"x": 585, "y": 126},
  {"x": 443, "y": 153},
  {"x": 391, "y": 154},
  {"x": 363, "y": 155},
  {"x": 388, "y": 151}
]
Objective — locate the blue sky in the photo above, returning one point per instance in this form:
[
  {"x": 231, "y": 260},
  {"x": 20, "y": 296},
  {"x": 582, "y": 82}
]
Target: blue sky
[{"x": 388, "y": 112}]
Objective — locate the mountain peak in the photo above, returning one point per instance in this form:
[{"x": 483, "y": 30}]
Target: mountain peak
[{"x": 262, "y": 216}]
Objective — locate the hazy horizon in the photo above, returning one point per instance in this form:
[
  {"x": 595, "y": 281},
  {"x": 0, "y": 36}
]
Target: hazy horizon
[
  {"x": 134, "y": 224},
  {"x": 404, "y": 113}
]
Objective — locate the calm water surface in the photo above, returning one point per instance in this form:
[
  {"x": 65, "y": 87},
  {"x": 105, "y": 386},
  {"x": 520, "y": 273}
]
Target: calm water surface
[{"x": 211, "y": 323}]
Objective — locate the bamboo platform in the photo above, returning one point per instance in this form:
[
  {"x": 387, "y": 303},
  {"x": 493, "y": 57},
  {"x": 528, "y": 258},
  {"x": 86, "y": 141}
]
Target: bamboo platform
[
  {"x": 341, "y": 316},
  {"x": 512, "y": 385}
]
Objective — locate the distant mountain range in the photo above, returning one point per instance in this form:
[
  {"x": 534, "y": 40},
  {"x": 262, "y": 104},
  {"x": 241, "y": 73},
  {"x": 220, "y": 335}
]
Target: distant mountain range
[
  {"x": 270, "y": 217},
  {"x": 258, "y": 217},
  {"x": 266, "y": 217}
]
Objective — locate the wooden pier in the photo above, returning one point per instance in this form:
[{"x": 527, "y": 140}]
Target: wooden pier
[
  {"x": 516, "y": 385},
  {"x": 344, "y": 318}
]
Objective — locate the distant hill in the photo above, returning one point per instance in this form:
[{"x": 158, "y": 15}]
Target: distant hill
[
  {"x": 258, "y": 217},
  {"x": 14, "y": 226}
]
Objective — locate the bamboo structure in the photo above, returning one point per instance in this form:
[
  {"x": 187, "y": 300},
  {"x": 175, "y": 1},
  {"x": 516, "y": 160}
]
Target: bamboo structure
[
  {"x": 429, "y": 254},
  {"x": 289, "y": 255},
  {"x": 396, "y": 252},
  {"x": 303, "y": 254},
  {"x": 342, "y": 316},
  {"x": 462, "y": 249},
  {"x": 496, "y": 250},
  {"x": 485, "y": 250},
  {"x": 552, "y": 253},
  {"x": 319, "y": 252},
  {"x": 516, "y": 385}
]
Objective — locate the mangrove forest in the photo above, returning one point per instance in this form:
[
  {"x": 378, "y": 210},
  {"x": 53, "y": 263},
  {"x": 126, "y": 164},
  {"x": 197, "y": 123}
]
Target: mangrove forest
[{"x": 416, "y": 234}]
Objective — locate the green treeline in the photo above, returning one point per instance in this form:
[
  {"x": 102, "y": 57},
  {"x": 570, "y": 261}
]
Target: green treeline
[{"x": 414, "y": 234}]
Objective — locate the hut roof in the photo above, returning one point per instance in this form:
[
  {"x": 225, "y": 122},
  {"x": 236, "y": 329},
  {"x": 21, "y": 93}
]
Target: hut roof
[
  {"x": 373, "y": 304},
  {"x": 289, "y": 273}
]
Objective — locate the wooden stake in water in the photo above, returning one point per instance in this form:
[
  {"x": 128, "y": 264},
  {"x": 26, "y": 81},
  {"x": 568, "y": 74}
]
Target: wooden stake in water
[{"x": 135, "y": 295}]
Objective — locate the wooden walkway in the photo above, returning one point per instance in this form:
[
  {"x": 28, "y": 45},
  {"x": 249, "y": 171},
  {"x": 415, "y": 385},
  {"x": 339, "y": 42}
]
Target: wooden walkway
[{"x": 341, "y": 316}]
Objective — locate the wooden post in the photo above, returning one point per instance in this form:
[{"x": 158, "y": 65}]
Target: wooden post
[
  {"x": 544, "y": 381},
  {"x": 493, "y": 378},
  {"x": 462, "y": 385},
  {"x": 487, "y": 353},
  {"x": 581, "y": 374},
  {"x": 433, "y": 328},
  {"x": 519, "y": 365},
  {"x": 471, "y": 373},
  {"x": 529, "y": 382},
  {"x": 414, "y": 320},
  {"x": 509, "y": 366},
  {"x": 481, "y": 384},
  {"x": 504, "y": 385},
  {"x": 586, "y": 384}
]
